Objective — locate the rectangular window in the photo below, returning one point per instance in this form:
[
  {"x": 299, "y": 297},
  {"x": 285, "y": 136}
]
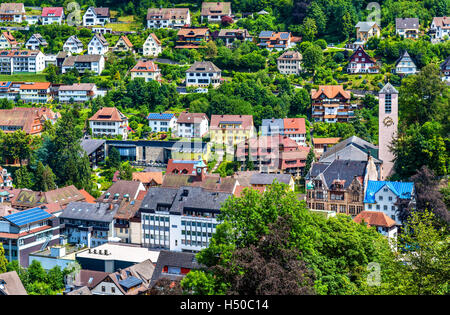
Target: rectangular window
[{"x": 388, "y": 104}]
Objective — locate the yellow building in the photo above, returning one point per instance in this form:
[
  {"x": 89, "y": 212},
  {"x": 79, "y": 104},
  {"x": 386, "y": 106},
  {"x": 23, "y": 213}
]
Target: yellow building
[{"x": 231, "y": 130}]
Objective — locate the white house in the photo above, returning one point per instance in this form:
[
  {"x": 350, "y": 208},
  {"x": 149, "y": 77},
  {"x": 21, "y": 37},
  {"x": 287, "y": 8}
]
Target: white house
[
  {"x": 52, "y": 15},
  {"x": 213, "y": 12},
  {"x": 35, "y": 42},
  {"x": 290, "y": 62},
  {"x": 152, "y": 46},
  {"x": 78, "y": 92},
  {"x": 147, "y": 70},
  {"x": 162, "y": 122},
  {"x": 73, "y": 45},
  {"x": 440, "y": 29},
  {"x": 13, "y": 61},
  {"x": 12, "y": 12},
  {"x": 383, "y": 224},
  {"x": 168, "y": 17},
  {"x": 202, "y": 74},
  {"x": 445, "y": 69},
  {"x": 405, "y": 65},
  {"x": 109, "y": 121},
  {"x": 95, "y": 63},
  {"x": 7, "y": 41},
  {"x": 98, "y": 45},
  {"x": 96, "y": 16},
  {"x": 38, "y": 92},
  {"x": 192, "y": 125},
  {"x": 5, "y": 178},
  {"x": 383, "y": 196},
  {"x": 407, "y": 27}
]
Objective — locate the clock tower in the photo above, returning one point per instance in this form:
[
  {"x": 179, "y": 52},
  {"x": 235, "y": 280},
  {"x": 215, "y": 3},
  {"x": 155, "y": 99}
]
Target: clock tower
[{"x": 387, "y": 127}]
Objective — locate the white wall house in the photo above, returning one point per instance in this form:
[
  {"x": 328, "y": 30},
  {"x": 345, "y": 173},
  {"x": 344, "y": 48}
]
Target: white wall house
[
  {"x": 78, "y": 92},
  {"x": 52, "y": 15},
  {"x": 13, "y": 61},
  {"x": 440, "y": 29},
  {"x": 192, "y": 125},
  {"x": 96, "y": 16},
  {"x": 162, "y": 122},
  {"x": 98, "y": 45},
  {"x": 168, "y": 17},
  {"x": 109, "y": 121},
  {"x": 95, "y": 63},
  {"x": 73, "y": 45},
  {"x": 38, "y": 92},
  {"x": 152, "y": 46},
  {"x": 202, "y": 74},
  {"x": 405, "y": 65},
  {"x": 147, "y": 70},
  {"x": 35, "y": 42}
]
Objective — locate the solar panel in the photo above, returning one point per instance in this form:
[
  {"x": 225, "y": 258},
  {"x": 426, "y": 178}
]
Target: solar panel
[
  {"x": 28, "y": 216},
  {"x": 130, "y": 282},
  {"x": 284, "y": 35},
  {"x": 265, "y": 34}
]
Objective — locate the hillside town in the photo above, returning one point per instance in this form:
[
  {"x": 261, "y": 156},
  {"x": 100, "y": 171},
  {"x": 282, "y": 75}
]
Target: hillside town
[{"x": 237, "y": 148}]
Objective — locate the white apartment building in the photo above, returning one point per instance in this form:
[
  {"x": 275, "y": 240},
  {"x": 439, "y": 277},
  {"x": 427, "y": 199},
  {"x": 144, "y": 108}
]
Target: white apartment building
[
  {"x": 95, "y": 63},
  {"x": 109, "y": 121},
  {"x": 98, "y": 45},
  {"x": 162, "y": 122},
  {"x": 78, "y": 92},
  {"x": 290, "y": 62},
  {"x": 73, "y": 45},
  {"x": 96, "y": 16},
  {"x": 16, "y": 61},
  {"x": 38, "y": 92},
  {"x": 152, "y": 46},
  {"x": 202, "y": 74},
  {"x": 168, "y": 17},
  {"x": 192, "y": 125}
]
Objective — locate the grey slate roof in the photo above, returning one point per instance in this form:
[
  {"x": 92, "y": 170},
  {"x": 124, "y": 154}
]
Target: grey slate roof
[
  {"x": 203, "y": 66},
  {"x": 388, "y": 89},
  {"x": 91, "y": 145},
  {"x": 10, "y": 284},
  {"x": 407, "y": 23},
  {"x": 365, "y": 26},
  {"x": 173, "y": 259},
  {"x": 272, "y": 125},
  {"x": 352, "y": 148},
  {"x": 345, "y": 170},
  {"x": 81, "y": 291},
  {"x": 267, "y": 179},
  {"x": 99, "y": 212}
]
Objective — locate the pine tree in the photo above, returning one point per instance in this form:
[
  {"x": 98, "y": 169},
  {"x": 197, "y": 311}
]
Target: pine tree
[{"x": 3, "y": 260}]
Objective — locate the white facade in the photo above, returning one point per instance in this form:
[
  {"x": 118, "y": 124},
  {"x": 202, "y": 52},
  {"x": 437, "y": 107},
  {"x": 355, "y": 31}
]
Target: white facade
[
  {"x": 73, "y": 45},
  {"x": 109, "y": 128},
  {"x": 77, "y": 95},
  {"x": 90, "y": 18},
  {"x": 96, "y": 47},
  {"x": 47, "y": 20},
  {"x": 385, "y": 201},
  {"x": 35, "y": 96},
  {"x": 33, "y": 43},
  {"x": 288, "y": 67},
  {"x": 151, "y": 47},
  {"x": 22, "y": 62},
  {"x": 405, "y": 66},
  {"x": 164, "y": 21},
  {"x": 440, "y": 31},
  {"x": 4, "y": 43},
  {"x": 193, "y": 129},
  {"x": 176, "y": 232},
  {"x": 203, "y": 79},
  {"x": 95, "y": 66},
  {"x": 163, "y": 125}
]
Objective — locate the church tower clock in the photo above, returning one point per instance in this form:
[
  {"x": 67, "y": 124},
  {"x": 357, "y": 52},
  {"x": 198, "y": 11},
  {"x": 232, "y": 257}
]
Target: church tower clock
[{"x": 387, "y": 127}]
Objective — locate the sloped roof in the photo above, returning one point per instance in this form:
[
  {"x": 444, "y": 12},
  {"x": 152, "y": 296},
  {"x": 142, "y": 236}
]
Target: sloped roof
[
  {"x": 290, "y": 55},
  {"x": 374, "y": 218},
  {"x": 298, "y": 124},
  {"x": 11, "y": 284},
  {"x": 91, "y": 145},
  {"x": 195, "y": 31},
  {"x": 343, "y": 170},
  {"x": 160, "y": 116},
  {"x": 403, "y": 56},
  {"x": 10, "y": 38},
  {"x": 100, "y": 212},
  {"x": 12, "y": 8},
  {"x": 126, "y": 41},
  {"x": 246, "y": 121},
  {"x": 402, "y": 190},
  {"x": 352, "y": 148},
  {"x": 122, "y": 188},
  {"x": 191, "y": 118},
  {"x": 203, "y": 66},
  {"x": 102, "y": 12},
  {"x": 19, "y": 117},
  {"x": 173, "y": 259},
  {"x": 145, "y": 66},
  {"x": 268, "y": 179},
  {"x": 108, "y": 114},
  {"x": 331, "y": 91},
  {"x": 89, "y": 278},
  {"x": 148, "y": 177},
  {"x": 325, "y": 140},
  {"x": 440, "y": 21},
  {"x": 208, "y": 8},
  {"x": 407, "y": 23},
  {"x": 211, "y": 182},
  {"x": 29, "y": 216},
  {"x": 77, "y": 87},
  {"x": 155, "y": 38},
  {"x": 167, "y": 13},
  {"x": 365, "y": 26},
  {"x": 55, "y": 11},
  {"x": 101, "y": 39},
  {"x": 388, "y": 89},
  {"x": 81, "y": 291},
  {"x": 36, "y": 86}
]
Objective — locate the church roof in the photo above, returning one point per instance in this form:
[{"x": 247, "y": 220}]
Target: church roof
[{"x": 388, "y": 89}]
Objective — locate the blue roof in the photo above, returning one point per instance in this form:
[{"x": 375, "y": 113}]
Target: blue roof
[
  {"x": 284, "y": 35},
  {"x": 28, "y": 216},
  {"x": 130, "y": 282},
  {"x": 158, "y": 116},
  {"x": 265, "y": 34},
  {"x": 402, "y": 190}
]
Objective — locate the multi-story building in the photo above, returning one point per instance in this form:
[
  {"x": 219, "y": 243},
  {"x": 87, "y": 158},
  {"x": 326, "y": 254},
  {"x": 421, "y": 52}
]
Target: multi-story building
[
  {"x": 5, "y": 178},
  {"x": 90, "y": 224},
  {"x": 275, "y": 40},
  {"x": 96, "y": 16},
  {"x": 445, "y": 69},
  {"x": 12, "y": 12},
  {"x": 95, "y": 150},
  {"x": 192, "y": 125},
  {"x": 405, "y": 65},
  {"x": 321, "y": 145},
  {"x": 407, "y": 27},
  {"x": 231, "y": 130},
  {"x": 180, "y": 219},
  {"x": 192, "y": 37},
  {"x": 123, "y": 44},
  {"x": 173, "y": 265},
  {"x": 27, "y": 231},
  {"x": 35, "y": 92},
  {"x": 213, "y": 12},
  {"x": 162, "y": 122},
  {"x": 382, "y": 223},
  {"x": 109, "y": 121},
  {"x": 7, "y": 41},
  {"x": 290, "y": 62},
  {"x": 73, "y": 45},
  {"x": 440, "y": 29},
  {"x": 21, "y": 119},
  {"x": 147, "y": 70},
  {"x": 294, "y": 128},
  {"x": 339, "y": 186},
  {"x": 98, "y": 45},
  {"x": 52, "y": 15},
  {"x": 361, "y": 62},
  {"x": 229, "y": 36},
  {"x": 386, "y": 197},
  {"x": 13, "y": 61},
  {"x": 366, "y": 30},
  {"x": 35, "y": 42},
  {"x": 203, "y": 74},
  {"x": 77, "y": 92},
  {"x": 152, "y": 46},
  {"x": 168, "y": 17},
  {"x": 331, "y": 103},
  {"x": 94, "y": 63}
]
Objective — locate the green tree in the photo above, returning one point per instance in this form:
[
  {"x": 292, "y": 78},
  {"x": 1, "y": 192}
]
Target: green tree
[
  {"x": 113, "y": 158},
  {"x": 313, "y": 57},
  {"x": 308, "y": 29},
  {"x": 3, "y": 260},
  {"x": 44, "y": 179},
  {"x": 56, "y": 278},
  {"x": 23, "y": 178}
]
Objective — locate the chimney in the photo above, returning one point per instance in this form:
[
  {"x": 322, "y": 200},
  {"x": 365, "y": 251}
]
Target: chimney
[{"x": 110, "y": 206}]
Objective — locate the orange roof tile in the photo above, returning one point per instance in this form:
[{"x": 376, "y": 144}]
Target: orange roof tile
[
  {"x": 331, "y": 91},
  {"x": 88, "y": 197},
  {"x": 374, "y": 218},
  {"x": 147, "y": 177},
  {"x": 326, "y": 140},
  {"x": 36, "y": 86}
]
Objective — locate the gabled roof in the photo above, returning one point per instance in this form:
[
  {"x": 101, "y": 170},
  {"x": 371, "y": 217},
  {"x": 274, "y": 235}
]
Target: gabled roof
[
  {"x": 167, "y": 13},
  {"x": 203, "y": 66},
  {"x": 245, "y": 121},
  {"x": 99, "y": 212},
  {"x": 445, "y": 63},
  {"x": 192, "y": 32},
  {"x": 186, "y": 118},
  {"x": 330, "y": 91},
  {"x": 10, "y": 284},
  {"x": 374, "y": 218},
  {"x": 145, "y": 66},
  {"x": 12, "y": 8},
  {"x": 91, "y": 145},
  {"x": 405, "y": 55},
  {"x": 121, "y": 188},
  {"x": 77, "y": 87},
  {"x": 173, "y": 259},
  {"x": 54, "y": 11},
  {"x": 126, "y": 41},
  {"x": 108, "y": 114},
  {"x": 10, "y": 38},
  {"x": 160, "y": 116},
  {"x": 290, "y": 55},
  {"x": 268, "y": 179},
  {"x": 36, "y": 86},
  {"x": 403, "y": 190},
  {"x": 40, "y": 39},
  {"x": 342, "y": 170},
  {"x": 352, "y": 148},
  {"x": 29, "y": 216},
  {"x": 361, "y": 51},
  {"x": 100, "y": 38},
  {"x": 407, "y": 23},
  {"x": 365, "y": 26},
  {"x": 75, "y": 39},
  {"x": 216, "y": 8},
  {"x": 102, "y": 12},
  {"x": 148, "y": 177},
  {"x": 388, "y": 89},
  {"x": 325, "y": 140},
  {"x": 298, "y": 124},
  {"x": 155, "y": 38},
  {"x": 442, "y": 21}
]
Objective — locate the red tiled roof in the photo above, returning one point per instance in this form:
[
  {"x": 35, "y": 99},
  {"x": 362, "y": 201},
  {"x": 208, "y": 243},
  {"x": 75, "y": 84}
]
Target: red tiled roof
[
  {"x": 246, "y": 120},
  {"x": 36, "y": 86},
  {"x": 374, "y": 218},
  {"x": 145, "y": 66},
  {"x": 196, "y": 32},
  {"x": 148, "y": 177},
  {"x": 240, "y": 189},
  {"x": 331, "y": 91},
  {"x": 298, "y": 124},
  {"x": 191, "y": 118},
  {"x": 325, "y": 140},
  {"x": 127, "y": 41},
  {"x": 88, "y": 197},
  {"x": 56, "y": 11},
  {"x": 108, "y": 114}
]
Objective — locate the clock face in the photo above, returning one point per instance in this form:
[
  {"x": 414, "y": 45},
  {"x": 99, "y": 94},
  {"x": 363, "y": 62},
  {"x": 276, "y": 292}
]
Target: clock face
[
  {"x": 199, "y": 170},
  {"x": 388, "y": 121}
]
